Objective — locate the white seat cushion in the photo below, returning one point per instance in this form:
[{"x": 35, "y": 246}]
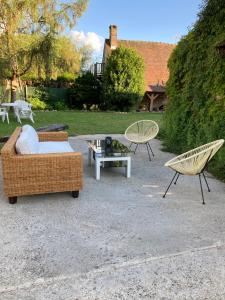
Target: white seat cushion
[
  {"x": 54, "y": 147},
  {"x": 27, "y": 144}
]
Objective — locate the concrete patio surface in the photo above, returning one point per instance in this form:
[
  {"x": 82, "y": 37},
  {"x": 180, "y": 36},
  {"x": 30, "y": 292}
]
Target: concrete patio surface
[{"x": 119, "y": 240}]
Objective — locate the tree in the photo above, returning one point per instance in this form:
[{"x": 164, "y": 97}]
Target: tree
[
  {"x": 65, "y": 58},
  {"x": 123, "y": 80},
  {"x": 68, "y": 58},
  {"x": 28, "y": 29},
  {"x": 86, "y": 53}
]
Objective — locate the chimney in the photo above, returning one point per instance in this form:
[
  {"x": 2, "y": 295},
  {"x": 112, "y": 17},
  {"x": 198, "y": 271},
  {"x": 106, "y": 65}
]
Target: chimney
[{"x": 113, "y": 36}]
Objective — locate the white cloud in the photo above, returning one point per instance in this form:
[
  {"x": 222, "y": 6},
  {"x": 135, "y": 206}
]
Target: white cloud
[{"x": 91, "y": 39}]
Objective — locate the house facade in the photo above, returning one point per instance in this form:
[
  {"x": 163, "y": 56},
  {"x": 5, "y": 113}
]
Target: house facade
[{"x": 155, "y": 56}]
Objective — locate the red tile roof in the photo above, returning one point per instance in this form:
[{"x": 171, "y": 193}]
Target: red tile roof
[{"x": 155, "y": 57}]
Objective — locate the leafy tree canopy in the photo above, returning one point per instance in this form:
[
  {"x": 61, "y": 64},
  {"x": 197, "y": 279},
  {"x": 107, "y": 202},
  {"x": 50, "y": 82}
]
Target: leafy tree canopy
[
  {"x": 28, "y": 30},
  {"x": 64, "y": 58},
  {"x": 123, "y": 80}
]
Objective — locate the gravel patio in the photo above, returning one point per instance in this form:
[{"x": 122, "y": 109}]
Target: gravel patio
[{"x": 119, "y": 240}]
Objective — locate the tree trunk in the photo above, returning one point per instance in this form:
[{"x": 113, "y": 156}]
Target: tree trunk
[
  {"x": 39, "y": 71},
  {"x": 25, "y": 92},
  {"x": 48, "y": 69},
  {"x": 13, "y": 95},
  {"x": 14, "y": 87}
]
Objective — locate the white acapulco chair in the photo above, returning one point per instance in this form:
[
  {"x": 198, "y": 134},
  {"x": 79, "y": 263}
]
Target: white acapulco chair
[
  {"x": 141, "y": 132},
  {"x": 194, "y": 162},
  {"x": 23, "y": 110},
  {"x": 4, "y": 114}
]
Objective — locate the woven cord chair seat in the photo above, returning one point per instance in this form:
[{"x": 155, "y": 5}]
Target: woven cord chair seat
[
  {"x": 142, "y": 131},
  {"x": 194, "y": 161}
]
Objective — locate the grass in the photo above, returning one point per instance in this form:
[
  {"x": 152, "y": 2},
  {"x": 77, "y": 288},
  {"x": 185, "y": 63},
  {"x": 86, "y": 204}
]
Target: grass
[
  {"x": 83, "y": 122},
  {"x": 89, "y": 123}
]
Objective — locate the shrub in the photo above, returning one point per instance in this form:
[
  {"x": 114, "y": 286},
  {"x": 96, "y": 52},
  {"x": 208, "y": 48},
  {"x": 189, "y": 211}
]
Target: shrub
[
  {"x": 86, "y": 92},
  {"x": 37, "y": 104},
  {"x": 60, "y": 105},
  {"x": 54, "y": 98},
  {"x": 195, "y": 113},
  {"x": 123, "y": 80},
  {"x": 66, "y": 77}
]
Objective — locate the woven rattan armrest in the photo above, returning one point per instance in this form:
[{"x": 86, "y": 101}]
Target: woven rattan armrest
[{"x": 53, "y": 136}]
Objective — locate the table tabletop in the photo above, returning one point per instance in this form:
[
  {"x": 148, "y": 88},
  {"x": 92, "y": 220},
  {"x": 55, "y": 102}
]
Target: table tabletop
[
  {"x": 115, "y": 149},
  {"x": 8, "y": 104}
]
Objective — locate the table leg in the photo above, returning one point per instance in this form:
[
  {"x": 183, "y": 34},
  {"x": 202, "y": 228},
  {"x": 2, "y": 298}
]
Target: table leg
[
  {"x": 128, "y": 167},
  {"x": 97, "y": 168}
]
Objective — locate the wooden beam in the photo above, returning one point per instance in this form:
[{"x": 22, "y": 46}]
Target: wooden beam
[{"x": 152, "y": 98}]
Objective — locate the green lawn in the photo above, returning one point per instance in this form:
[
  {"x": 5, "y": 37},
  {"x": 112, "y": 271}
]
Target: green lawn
[{"x": 83, "y": 122}]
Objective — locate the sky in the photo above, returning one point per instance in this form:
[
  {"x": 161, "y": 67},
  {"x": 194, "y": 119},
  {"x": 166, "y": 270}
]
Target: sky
[{"x": 148, "y": 20}]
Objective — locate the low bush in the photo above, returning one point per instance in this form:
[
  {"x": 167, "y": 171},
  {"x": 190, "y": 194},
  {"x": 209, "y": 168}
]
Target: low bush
[
  {"x": 60, "y": 105},
  {"x": 54, "y": 98},
  {"x": 67, "y": 77},
  {"x": 37, "y": 104}
]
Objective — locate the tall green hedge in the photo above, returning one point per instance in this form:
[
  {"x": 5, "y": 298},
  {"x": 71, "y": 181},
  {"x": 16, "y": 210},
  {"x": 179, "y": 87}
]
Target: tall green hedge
[{"x": 196, "y": 88}]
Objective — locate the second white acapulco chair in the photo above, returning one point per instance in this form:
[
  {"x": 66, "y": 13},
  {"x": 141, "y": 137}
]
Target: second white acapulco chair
[{"x": 141, "y": 132}]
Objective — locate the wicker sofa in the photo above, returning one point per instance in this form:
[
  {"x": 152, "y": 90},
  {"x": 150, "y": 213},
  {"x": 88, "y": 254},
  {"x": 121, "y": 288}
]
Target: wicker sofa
[{"x": 40, "y": 173}]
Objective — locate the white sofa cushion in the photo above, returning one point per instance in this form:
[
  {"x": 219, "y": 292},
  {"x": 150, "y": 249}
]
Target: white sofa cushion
[
  {"x": 31, "y": 131},
  {"x": 54, "y": 147},
  {"x": 27, "y": 144}
]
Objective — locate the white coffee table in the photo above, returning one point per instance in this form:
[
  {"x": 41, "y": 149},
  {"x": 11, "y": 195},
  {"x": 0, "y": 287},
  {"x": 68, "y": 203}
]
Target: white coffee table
[{"x": 97, "y": 147}]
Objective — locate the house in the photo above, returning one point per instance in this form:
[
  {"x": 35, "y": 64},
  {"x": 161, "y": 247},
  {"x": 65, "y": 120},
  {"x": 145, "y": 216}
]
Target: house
[{"x": 155, "y": 57}]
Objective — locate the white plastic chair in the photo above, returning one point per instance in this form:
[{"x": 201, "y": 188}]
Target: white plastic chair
[
  {"x": 194, "y": 162},
  {"x": 23, "y": 110},
  {"x": 141, "y": 132},
  {"x": 4, "y": 114}
]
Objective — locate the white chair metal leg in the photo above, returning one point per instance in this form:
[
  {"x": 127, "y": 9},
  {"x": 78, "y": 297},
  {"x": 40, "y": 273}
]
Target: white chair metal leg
[
  {"x": 128, "y": 167},
  {"x": 18, "y": 119},
  {"x": 7, "y": 117},
  {"x": 97, "y": 168},
  {"x": 31, "y": 117}
]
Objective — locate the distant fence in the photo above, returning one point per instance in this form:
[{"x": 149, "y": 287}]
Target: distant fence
[{"x": 55, "y": 94}]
